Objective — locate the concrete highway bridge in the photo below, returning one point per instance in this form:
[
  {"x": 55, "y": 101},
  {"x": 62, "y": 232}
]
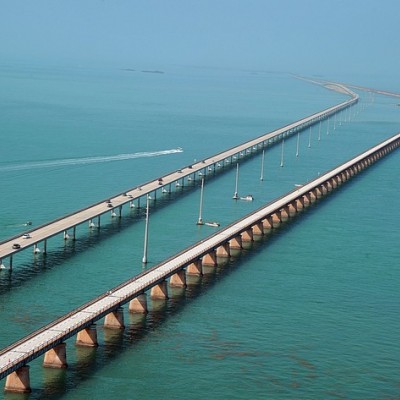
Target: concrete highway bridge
[
  {"x": 155, "y": 282},
  {"x": 66, "y": 226}
]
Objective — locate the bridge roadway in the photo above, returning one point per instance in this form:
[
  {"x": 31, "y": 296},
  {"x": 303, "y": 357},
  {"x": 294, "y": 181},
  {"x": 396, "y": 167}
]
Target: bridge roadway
[
  {"x": 23, "y": 351},
  {"x": 65, "y": 223}
]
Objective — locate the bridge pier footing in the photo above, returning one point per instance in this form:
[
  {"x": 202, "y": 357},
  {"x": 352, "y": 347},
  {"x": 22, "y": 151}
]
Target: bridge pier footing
[
  {"x": 18, "y": 381},
  {"x": 56, "y": 357},
  {"x": 194, "y": 268},
  {"x": 247, "y": 235},
  {"x": 115, "y": 319},
  {"x": 258, "y": 229},
  {"x": 178, "y": 279},
  {"x": 224, "y": 250},
  {"x": 236, "y": 243},
  {"x": 87, "y": 337},
  {"x": 209, "y": 259},
  {"x": 159, "y": 291},
  {"x": 138, "y": 304}
]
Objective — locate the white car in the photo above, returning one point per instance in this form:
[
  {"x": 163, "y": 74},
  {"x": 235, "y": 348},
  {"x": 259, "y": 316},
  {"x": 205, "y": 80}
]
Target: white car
[{"x": 26, "y": 236}]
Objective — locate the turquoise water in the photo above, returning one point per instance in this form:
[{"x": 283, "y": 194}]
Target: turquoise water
[{"x": 309, "y": 312}]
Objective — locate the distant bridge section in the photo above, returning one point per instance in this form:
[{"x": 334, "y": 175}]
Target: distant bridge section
[{"x": 67, "y": 224}]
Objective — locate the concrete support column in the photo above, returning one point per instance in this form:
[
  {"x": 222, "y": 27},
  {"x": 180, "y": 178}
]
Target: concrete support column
[
  {"x": 258, "y": 229},
  {"x": 18, "y": 381},
  {"x": 56, "y": 357},
  {"x": 115, "y": 319},
  {"x": 236, "y": 243},
  {"x": 87, "y": 337},
  {"x": 306, "y": 200},
  {"x": 323, "y": 189},
  {"x": 223, "y": 250},
  {"x": 292, "y": 208},
  {"x": 45, "y": 247},
  {"x": 209, "y": 259},
  {"x": 318, "y": 192},
  {"x": 159, "y": 291},
  {"x": 312, "y": 196},
  {"x": 247, "y": 235},
  {"x": 178, "y": 279},
  {"x": 138, "y": 304},
  {"x": 299, "y": 204},
  {"x": 284, "y": 213},
  {"x": 194, "y": 268},
  {"x": 267, "y": 223},
  {"x": 276, "y": 219}
]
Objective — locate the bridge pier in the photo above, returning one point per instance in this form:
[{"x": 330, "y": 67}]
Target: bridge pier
[
  {"x": 247, "y": 235},
  {"x": 178, "y": 279},
  {"x": 139, "y": 304},
  {"x": 312, "y": 196},
  {"x": 306, "y": 200},
  {"x": 115, "y": 319},
  {"x": 56, "y": 357},
  {"x": 223, "y": 250},
  {"x": 209, "y": 259},
  {"x": 267, "y": 223},
  {"x": 87, "y": 337},
  {"x": 258, "y": 229},
  {"x": 159, "y": 291},
  {"x": 236, "y": 243},
  {"x": 276, "y": 219},
  {"x": 300, "y": 204},
  {"x": 284, "y": 214},
  {"x": 194, "y": 268},
  {"x": 18, "y": 381},
  {"x": 292, "y": 208}
]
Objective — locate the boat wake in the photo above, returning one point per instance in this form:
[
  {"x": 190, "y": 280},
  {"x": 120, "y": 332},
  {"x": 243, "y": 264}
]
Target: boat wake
[{"x": 85, "y": 160}]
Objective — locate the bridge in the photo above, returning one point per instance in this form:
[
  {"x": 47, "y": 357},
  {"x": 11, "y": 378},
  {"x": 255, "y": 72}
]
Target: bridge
[
  {"x": 67, "y": 225},
  {"x": 50, "y": 339}
]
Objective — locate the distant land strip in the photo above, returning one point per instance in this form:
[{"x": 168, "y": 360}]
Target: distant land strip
[
  {"x": 384, "y": 92},
  {"x": 333, "y": 85}
]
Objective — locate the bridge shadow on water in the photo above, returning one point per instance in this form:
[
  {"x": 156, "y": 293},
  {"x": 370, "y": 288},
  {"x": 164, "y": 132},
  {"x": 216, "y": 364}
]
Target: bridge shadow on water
[{"x": 113, "y": 343}]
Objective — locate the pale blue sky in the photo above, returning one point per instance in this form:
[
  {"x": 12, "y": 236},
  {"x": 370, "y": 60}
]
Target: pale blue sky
[{"x": 330, "y": 37}]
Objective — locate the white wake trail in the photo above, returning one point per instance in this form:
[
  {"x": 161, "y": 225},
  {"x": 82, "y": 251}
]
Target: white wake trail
[{"x": 86, "y": 160}]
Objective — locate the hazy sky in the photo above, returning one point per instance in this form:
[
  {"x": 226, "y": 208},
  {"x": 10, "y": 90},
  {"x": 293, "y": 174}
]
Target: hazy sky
[{"x": 301, "y": 36}]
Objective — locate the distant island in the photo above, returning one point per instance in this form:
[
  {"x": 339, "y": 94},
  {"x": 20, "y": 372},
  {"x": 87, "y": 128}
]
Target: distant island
[
  {"x": 153, "y": 72},
  {"x": 146, "y": 71}
]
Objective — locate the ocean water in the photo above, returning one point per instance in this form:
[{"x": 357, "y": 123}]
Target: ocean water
[{"x": 308, "y": 312}]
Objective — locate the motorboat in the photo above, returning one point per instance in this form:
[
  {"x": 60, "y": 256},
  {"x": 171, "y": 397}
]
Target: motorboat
[
  {"x": 249, "y": 197},
  {"x": 215, "y": 224}
]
